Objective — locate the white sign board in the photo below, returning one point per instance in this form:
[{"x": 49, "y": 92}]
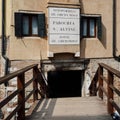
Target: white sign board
[{"x": 64, "y": 26}]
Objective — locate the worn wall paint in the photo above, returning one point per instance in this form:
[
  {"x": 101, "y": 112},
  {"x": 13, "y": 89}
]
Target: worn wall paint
[
  {"x": 118, "y": 27},
  {"x": 33, "y": 47},
  {"x": 27, "y": 48},
  {"x": 92, "y": 47},
  {"x": 0, "y": 18}
]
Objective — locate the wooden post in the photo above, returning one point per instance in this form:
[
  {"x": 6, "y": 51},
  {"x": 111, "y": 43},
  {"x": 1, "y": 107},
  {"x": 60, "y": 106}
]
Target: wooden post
[
  {"x": 35, "y": 83},
  {"x": 100, "y": 72},
  {"x": 21, "y": 96},
  {"x": 110, "y": 93}
]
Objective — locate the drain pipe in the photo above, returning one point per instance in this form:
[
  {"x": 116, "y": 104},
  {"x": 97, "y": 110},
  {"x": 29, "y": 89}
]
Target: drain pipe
[
  {"x": 114, "y": 32},
  {"x": 3, "y": 47}
]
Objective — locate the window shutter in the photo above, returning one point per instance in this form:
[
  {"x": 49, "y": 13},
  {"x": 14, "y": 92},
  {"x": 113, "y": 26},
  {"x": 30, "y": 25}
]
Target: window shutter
[
  {"x": 99, "y": 29},
  {"x": 81, "y": 28},
  {"x": 18, "y": 24},
  {"x": 41, "y": 25}
]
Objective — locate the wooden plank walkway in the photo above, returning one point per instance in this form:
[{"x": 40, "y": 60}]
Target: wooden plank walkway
[{"x": 79, "y": 108}]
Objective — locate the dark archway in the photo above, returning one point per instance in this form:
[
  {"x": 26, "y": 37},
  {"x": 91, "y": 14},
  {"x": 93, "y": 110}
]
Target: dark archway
[{"x": 65, "y": 83}]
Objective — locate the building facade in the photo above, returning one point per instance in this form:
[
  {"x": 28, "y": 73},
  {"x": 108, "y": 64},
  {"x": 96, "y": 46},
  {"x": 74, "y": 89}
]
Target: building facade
[{"x": 60, "y": 35}]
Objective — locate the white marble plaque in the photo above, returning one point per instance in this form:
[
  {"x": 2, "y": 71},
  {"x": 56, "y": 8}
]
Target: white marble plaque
[{"x": 64, "y": 26}]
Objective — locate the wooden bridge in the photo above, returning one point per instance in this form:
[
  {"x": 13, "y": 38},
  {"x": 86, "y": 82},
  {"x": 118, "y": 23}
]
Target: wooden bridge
[{"x": 77, "y": 108}]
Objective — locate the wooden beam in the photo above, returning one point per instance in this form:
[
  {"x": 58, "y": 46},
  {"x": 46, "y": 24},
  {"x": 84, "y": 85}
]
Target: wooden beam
[
  {"x": 110, "y": 92},
  {"x": 100, "y": 73}
]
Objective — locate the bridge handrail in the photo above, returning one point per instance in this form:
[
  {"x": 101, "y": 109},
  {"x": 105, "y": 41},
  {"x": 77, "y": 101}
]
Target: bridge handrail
[
  {"x": 97, "y": 86},
  {"x": 43, "y": 76},
  {"x": 37, "y": 81}
]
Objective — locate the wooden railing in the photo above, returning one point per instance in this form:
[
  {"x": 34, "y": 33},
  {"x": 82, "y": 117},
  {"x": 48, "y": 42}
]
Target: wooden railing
[
  {"x": 38, "y": 90},
  {"x": 106, "y": 75}
]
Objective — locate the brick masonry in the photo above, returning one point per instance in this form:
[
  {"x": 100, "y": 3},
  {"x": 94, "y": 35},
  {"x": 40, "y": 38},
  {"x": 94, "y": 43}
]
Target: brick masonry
[
  {"x": 92, "y": 67},
  {"x": 89, "y": 72}
]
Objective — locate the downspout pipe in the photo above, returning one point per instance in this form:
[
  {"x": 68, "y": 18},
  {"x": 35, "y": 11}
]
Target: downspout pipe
[
  {"x": 114, "y": 32},
  {"x": 3, "y": 45},
  {"x": 3, "y": 29}
]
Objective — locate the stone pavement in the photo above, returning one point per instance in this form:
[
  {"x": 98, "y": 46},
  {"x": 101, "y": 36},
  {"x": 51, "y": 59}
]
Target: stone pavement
[{"x": 78, "y": 108}]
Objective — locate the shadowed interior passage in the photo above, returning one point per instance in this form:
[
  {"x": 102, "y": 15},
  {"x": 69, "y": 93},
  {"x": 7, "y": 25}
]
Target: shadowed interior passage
[{"x": 64, "y": 83}]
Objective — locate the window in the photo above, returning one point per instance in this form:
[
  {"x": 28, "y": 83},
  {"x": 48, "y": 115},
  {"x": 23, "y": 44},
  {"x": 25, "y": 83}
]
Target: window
[
  {"x": 30, "y": 25},
  {"x": 25, "y": 25},
  {"x": 91, "y": 27}
]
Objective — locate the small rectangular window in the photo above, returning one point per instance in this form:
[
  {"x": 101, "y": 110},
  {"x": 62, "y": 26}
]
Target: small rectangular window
[
  {"x": 85, "y": 27},
  {"x": 27, "y": 24},
  {"x": 92, "y": 27},
  {"x": 30, "y": 24},
  {"x": 88, "y": 27},
  {"x": 34, "y": 25}
]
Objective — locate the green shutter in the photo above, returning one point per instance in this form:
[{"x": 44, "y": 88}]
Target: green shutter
[
  {"x": 41, "y": 25},
  {"x": 99, "y": 28},
  {"x": 18, "y": 24},
  {"x": 81, "y": 27}
]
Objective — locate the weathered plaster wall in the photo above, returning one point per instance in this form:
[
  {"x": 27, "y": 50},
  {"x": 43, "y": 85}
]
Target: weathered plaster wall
[
  {"x": 65, "y": 1},
  {"x": 31, "y": 48},
  {"x": 0, "y": 17},
  {"x": 93, "y": 47},
  {"x": 27, "y": 48},
  {"x": 0, "y": 23},
  {"x": 118, "y": 27}
]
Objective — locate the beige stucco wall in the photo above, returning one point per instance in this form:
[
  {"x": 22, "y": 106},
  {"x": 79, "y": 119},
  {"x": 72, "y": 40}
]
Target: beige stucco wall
[
  {"x": 0, "y": 25},
  {"x": 118, "y": 27},
  {"x": 92, "y": 47},
  {"x": 56, "y": 49},
  {"x": 8, "y": 17},
  {"x": 26, "y": 47},
  {"x": 34, "y": 47},
  {"x": 0, "y": 15},
  {"x": 65, "y": 1},
  {"x": 0, "y": 33}
]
